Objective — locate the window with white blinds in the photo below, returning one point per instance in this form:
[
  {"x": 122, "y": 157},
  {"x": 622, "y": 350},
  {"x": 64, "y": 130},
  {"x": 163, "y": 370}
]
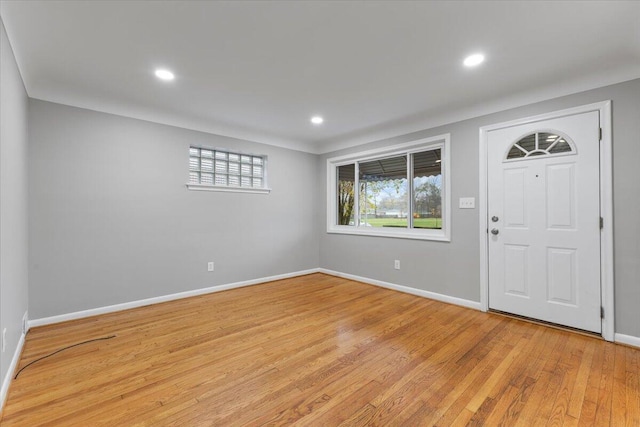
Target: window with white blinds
[{"x": 223, "y": 170}]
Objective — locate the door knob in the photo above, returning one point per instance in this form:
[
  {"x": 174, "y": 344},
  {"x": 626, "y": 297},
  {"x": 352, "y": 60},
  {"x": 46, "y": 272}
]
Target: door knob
[
  {"x": 495, "y": 231},
  {"x": 494, "y": 218}
]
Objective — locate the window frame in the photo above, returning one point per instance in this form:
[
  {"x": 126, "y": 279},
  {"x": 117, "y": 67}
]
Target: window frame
[
  {"x": 229, "y": 188},
  {"x": 441, "y": 142}
]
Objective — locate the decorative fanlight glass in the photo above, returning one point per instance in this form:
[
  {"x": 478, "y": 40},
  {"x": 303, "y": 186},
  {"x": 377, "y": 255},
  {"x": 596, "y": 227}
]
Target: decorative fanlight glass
[{"x": 540, "y": 144}]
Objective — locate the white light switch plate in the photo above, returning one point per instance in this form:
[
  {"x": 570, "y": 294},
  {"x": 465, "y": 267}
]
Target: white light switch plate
[{"x": 467, "y": 202}]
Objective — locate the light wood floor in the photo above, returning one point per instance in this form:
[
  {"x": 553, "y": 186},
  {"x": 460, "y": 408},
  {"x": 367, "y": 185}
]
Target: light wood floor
[{"x": 320, "y": 351}]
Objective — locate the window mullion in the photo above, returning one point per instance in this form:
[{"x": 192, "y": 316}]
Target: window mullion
[
  {"x": 356, "y": 196},
  {"x": 410, "y": 191}
]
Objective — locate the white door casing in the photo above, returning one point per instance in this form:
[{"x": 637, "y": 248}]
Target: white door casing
[
  {"x": 606, "y": 204},
  {"x": 544, "y": 262}
]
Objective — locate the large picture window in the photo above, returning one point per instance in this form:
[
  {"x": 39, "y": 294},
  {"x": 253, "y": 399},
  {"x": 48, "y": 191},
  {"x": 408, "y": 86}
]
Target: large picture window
[{"x": 398, "y": 191}]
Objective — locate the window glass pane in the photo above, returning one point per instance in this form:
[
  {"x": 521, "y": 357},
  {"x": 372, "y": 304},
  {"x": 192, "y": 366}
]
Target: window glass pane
[
  {"x": 234, "y": 168},
  {"x": 234, "y": 180},
  {"x": 383, "y": 192},
  {"x": 515, "y": 153},
  {"x": 257, "y": 170},
  {"x": 221, "y": 155},
  {"x": 245, "y": 181},
  {"x": 561, "y": 147},
  {"x": 221, "y": 166},
  {"x": 346, "y": 196},
  {"x": 245, "y": 159},
  {"x": 545, "y": 139},
  {"x": 207, "y": 165},
  {"x": 246, "y": 169},
  {"x": 206, "y": 153},
  {"x": 257, "y": 160},
  {"x": 528, "y": 142},
  {"x": 221, "y": 180},
  {"x": 194, "y": 178},
  {"x": 194, "y": 163},
  {"x": 206, "y": 178},
  {"x": 234, "y": 157},
  {"x": 194, "y": 152},
  {"x": 257, "y": 182},
  {"x": 427, "y": 189}
]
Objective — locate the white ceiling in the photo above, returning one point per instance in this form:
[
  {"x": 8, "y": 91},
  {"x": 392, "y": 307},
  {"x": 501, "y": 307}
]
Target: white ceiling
[{"x": 260, "y": 70}]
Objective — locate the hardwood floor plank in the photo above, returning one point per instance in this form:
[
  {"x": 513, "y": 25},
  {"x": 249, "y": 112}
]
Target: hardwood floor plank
[
  {"x": 319, "y": 350},
  {"x": 619, "y": 410},
  {"x": 605, "y": 392},
  {"x": 580, "y": 385},
  {"x": 483, "y": 411},
  {"x": 434, "y": 386},
  {"x": 360, "y": 417},
  {"x": 483, "y": 394},
  {"x": 541, "y": 371},
  {"x": 566, "y": 368},
  {"x": 632, "y": 398},
  {"x": 463, "y": 419},
  {"x": 485, "y": 352}
]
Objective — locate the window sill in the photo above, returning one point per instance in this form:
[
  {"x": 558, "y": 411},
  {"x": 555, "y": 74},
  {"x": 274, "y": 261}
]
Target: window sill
[
  {"x": 200, "y": 187},
  {"x": 397, "y": 234}
]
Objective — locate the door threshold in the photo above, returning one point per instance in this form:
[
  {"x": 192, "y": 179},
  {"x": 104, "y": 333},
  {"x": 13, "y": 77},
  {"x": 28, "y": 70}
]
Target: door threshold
[{"x": 548, "y": 324}]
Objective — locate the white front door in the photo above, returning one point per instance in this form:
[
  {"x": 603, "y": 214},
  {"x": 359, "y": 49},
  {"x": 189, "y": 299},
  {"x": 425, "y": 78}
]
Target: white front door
[{"x": 544, "y": 220}]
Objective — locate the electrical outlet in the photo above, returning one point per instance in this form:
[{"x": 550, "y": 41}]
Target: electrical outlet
[
  {"x": 210, "y": 266},
  {"x": 467, "y": 203},
  {"x": 4, "y": 339},
  {"x": 396, "y": 264}
]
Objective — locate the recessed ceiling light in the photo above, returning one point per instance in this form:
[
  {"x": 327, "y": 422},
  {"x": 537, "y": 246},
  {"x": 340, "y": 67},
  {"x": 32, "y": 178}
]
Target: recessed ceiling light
[
  {"x": 164, "y": 74},
  {"x": 316, "y": 120},
  {"x": 473, "y": 60}
]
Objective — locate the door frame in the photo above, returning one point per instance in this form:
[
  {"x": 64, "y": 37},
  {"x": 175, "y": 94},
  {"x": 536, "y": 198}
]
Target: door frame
[{"x": 606, "y": 206}]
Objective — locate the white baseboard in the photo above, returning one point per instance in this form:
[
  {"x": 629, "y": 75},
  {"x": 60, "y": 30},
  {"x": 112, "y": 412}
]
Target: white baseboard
[
  {"x": 407, "y": 290},
  {"x": 627, "y": 339},
  {"x": 6, "y": 381},
  {"x": 155, "y": 300}
]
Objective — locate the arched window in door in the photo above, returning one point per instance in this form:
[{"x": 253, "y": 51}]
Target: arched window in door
[{"x": 541, "y": 144}]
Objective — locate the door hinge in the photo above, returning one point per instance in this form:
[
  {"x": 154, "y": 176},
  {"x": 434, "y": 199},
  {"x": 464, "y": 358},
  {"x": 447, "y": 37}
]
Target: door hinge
[
  {"x": 601, "y": 223},
  {"x": 600, "y": 135},
  {"x": 601, "y": 312}
]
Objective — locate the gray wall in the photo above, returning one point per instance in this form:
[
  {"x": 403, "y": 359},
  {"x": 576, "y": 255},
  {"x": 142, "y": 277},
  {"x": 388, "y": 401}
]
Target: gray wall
[
  {"x": 111, "y": 220},
  {"x": 453, "y": 268},
  {"x": 13, "y": 201}
]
